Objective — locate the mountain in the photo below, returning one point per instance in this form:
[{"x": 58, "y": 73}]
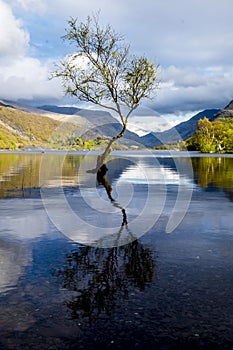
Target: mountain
[
  {"x": 101, "y": 123},
  {"x": 19, "y": 129},
  {"x": 179, "y": 132},
  {"x": 59, "y": 110},
  {"x": 23, "y": 126},
  {"x": 186, "y": 129},
  {"x": 53, "y": 126},
  {"x": 95, "y": 117},
  {"x": 226, "y": 112}
]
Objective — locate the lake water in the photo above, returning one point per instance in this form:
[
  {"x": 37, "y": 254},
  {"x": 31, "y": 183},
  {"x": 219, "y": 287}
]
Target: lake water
[{"x": 143, "y": 259}]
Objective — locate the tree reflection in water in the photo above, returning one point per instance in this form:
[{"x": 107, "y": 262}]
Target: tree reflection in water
[
  {"x": 103, "y": 181},
  {"x": 214, "y": 172},
  {"x": 102, "y": 276}
]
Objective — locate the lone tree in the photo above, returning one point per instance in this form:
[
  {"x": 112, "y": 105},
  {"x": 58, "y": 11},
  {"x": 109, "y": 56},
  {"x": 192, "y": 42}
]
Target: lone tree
[{"x": 103, "y": 72}]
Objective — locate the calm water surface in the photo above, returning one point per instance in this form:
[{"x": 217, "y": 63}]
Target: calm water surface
[{"x": 143, "y": 259}]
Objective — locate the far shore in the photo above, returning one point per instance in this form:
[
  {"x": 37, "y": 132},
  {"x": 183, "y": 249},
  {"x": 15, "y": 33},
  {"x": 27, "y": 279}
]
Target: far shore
[{"x": 144, "y": 152}]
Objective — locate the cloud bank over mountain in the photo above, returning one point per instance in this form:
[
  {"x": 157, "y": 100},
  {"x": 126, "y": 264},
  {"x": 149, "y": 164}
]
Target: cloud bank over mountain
[{"x": 191, "y": 41}]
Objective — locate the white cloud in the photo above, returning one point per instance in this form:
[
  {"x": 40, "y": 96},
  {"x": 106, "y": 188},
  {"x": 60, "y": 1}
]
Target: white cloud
[
  {"x": 192, "y": 42},
  {"x": 189, "y": 89},
  {"x": 27, "y": 78},
  {"x": 13, "y": 38},
  {"x": 32, "y": 5},
  {"x": 21, "y": 76},
  {"x": 182, "y": 77}
]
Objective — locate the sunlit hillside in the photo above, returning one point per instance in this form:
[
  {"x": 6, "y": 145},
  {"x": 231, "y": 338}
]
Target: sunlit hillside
[{"x": 20, "y": 129}]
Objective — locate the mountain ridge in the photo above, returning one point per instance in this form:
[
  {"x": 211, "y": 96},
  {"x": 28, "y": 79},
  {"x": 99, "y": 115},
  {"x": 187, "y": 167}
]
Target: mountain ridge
[
  {"x": 90, "y": 124},
  {"x": 103, "y": 124},
  {"x": 179, "y": 132}
]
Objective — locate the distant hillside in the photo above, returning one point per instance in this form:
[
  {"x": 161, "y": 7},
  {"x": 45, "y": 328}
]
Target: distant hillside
[
  {"x": 20, "y": 129},
  {"x": 55, "y": 127},
  {"x": 9, "y": 139},
  {"x": 186, "y": 129},
  {"x": 180, "y": 132},
  {"x": 93, "y": 118},
  {"x": 227, "y": 112},
  {"x": 101, "y": 124},
  {"x": 60, "y": 110}
]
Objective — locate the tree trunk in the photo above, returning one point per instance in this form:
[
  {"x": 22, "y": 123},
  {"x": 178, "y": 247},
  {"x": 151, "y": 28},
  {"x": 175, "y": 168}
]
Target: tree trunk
[{"x": 102, "y": 158}]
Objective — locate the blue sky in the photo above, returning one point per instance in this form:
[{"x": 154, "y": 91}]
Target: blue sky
[{"x": 191, "y": 40}]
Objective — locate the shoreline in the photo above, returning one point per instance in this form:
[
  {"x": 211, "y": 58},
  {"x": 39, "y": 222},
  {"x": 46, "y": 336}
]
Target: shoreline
[{"x": 145, "y": 152}]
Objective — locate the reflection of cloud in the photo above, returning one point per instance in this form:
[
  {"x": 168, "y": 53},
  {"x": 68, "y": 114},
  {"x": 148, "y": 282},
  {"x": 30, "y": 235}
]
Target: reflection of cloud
[
  {"x": 22, "y": 219},
  {"x": 142, "y": 174},
  {"x": 92, "y": 220},
  {"x": 86, "y": 216},
  {"x": 98, "y": 222},
  {"x": 13, "y": 258}
]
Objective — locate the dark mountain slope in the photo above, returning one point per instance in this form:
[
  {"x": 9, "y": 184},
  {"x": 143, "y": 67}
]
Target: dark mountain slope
[
  {"x": 180, "y": 132},
  {"x": 226, "y": 112},
  {"x": 60, "y": 110}
]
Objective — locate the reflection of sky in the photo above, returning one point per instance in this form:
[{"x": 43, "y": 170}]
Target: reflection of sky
[
  {"x": 83, "y": 212},
  {"x": 146, "y": 188},
  {"x": 143, "y": 174},
  {"x": 21, "y": 220},
  {"x": 13, "y": 257}
]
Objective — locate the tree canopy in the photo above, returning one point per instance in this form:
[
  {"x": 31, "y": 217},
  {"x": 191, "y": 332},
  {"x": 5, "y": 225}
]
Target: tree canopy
[
  {"x": 213, "y": 137},
  {"x": 102, "y": 71}
]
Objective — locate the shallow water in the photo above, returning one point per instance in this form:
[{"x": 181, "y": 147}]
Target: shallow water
[{"x": 146, "y": 264}]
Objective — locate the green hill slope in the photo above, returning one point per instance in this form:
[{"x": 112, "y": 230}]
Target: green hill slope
[{"x": 19, "y": 129}]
